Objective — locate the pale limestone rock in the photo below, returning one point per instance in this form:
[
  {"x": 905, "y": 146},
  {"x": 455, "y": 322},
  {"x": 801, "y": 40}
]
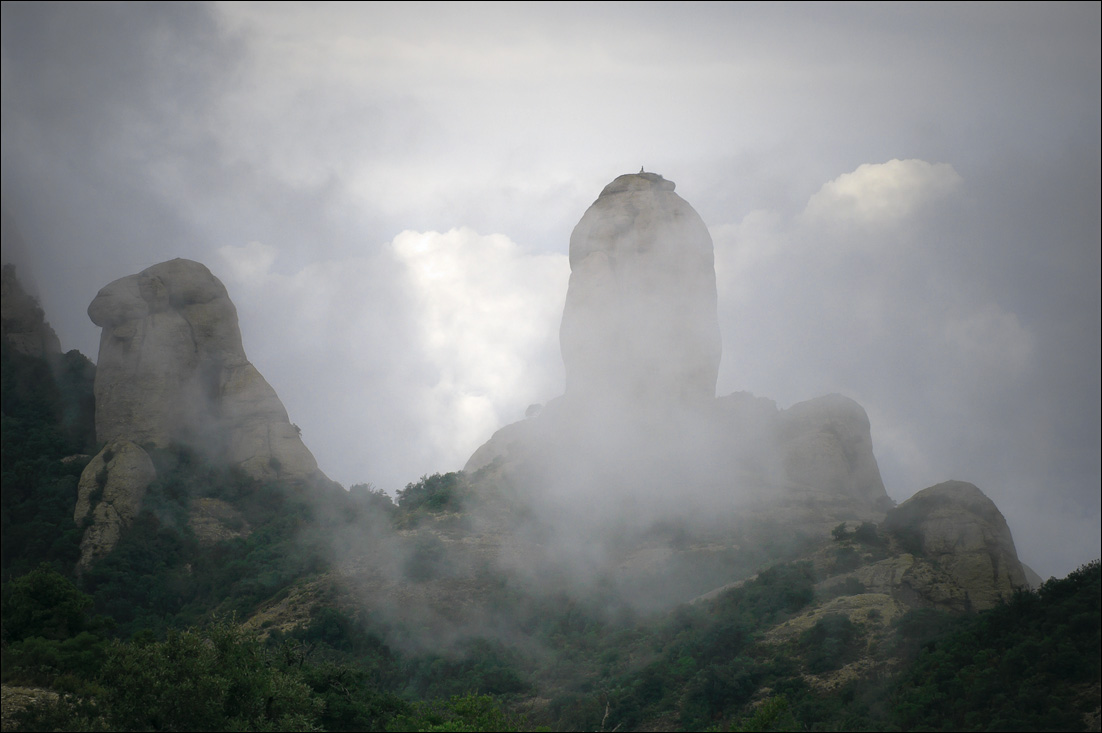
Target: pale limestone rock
[
  {"x": 639, "y": 337},
  {"x": 964, "y": 533},
  {"x": 826, "y": 445},
  {"x": 22, "y": 321},
  {"x": 640, "y": 323},
  {"x": 172, "y": 370},
  {"x": 110, "y": 492},
  {"x": 641, "y": 349},
  {"x": 913, "y": 581}
]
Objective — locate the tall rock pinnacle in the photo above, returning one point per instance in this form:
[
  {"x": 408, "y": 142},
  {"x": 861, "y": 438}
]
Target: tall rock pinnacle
[
  {"x": 172, "y": 370},
  {"x": 640, "y": 323},
  {"x": 641, "y": 347}
]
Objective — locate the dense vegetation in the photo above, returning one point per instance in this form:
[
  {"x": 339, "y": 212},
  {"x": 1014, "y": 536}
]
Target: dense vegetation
[
  {"x": 151, "y": 637},
  {"x": 47, "y": 417}
]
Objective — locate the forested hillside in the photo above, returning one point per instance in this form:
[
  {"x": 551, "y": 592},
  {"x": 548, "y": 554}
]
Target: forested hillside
[{"x": 244, "y": 622}]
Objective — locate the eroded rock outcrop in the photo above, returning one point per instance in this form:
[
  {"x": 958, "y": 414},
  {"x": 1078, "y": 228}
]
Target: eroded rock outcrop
[
  {"x": 640, "y": 323},
  {"x": 957, "y": 527},
  {"x": 109, "y": 496},
  {"x": 639, "y": 442},
  {"x": 826, "y": 445},
  {"x": 641, "y": 350},
  {"x": 172, "y": 370}
]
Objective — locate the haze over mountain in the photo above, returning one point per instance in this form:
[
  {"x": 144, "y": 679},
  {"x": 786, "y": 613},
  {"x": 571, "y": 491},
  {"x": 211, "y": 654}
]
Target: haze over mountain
[
  {"x": 902, "y": 200},
  {"x": 582, "y": 489},
  {"x": 636, "y": 546}
]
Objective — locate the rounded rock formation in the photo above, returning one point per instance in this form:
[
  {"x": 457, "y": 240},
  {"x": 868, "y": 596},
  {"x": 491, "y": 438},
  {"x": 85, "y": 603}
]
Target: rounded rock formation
[
  {"x": 958, "y": 527},
  {"x": 640, "y": 324},
  {"x": 172, "y": 370}
]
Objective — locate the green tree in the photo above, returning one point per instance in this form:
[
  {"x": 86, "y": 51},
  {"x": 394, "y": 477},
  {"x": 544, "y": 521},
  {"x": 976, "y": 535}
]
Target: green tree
[
  {"x": 214, "y": 679},
  {"x": 459, "y": 713},
  {"x": 44, "y": 603}
]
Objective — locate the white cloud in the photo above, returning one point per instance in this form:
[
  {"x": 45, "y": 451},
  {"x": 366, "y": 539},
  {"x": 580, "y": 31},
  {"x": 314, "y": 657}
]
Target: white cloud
[
  {"x": 488, "y": 314},
  {"x": 881, "y": 194},
  {"x": 404, "y": 363}
]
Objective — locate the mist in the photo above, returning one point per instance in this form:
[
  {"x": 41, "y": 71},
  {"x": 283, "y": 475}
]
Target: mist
[{"x": 902, "y": 201}]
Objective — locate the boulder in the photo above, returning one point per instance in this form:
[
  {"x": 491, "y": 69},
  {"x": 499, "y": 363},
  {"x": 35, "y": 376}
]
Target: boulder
[
  {"x": 109, "y": 496},
  {"x": 961, "y": 530},
  {"x": 826, "y": 445}
]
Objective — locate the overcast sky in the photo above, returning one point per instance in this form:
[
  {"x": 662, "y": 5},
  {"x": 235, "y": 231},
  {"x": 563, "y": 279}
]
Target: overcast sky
[{"x": 904, "y": 201}]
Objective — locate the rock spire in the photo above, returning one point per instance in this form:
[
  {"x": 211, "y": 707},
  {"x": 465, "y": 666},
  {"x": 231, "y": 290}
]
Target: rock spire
[{"x": 640, "y": 323}]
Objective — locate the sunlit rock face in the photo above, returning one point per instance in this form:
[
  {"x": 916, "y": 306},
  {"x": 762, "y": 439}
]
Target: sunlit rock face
[
  {"x": 172, "y": 370},
  {"x": 640, "y": 324},
  {"x": 964, "y": 533}
]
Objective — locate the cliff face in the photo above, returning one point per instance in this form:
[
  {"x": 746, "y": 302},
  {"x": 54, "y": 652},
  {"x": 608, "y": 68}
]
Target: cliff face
[
  {"x": 22, "y": 321},
  {"x": 172, "y": 370}
]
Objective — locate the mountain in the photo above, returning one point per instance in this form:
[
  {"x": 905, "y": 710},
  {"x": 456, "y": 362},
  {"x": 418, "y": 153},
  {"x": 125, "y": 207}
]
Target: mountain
[
  {"x": 639, "y": 443},
  {"x": 638, "y": 554}
]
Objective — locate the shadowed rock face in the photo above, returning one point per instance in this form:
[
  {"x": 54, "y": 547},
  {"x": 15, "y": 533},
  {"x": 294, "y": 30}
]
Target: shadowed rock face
[
  {"x": 172, "y": 370},
  {"x": 22, "y": 322},
  {"x": 640, "y": 324}
]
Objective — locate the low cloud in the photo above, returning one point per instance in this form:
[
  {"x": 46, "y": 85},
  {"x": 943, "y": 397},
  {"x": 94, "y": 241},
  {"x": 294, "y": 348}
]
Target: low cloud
[
  {"x": 487, "y": 316},
  {"x": 874, "y": 285},
  {"x": 403, "y": 363}
]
